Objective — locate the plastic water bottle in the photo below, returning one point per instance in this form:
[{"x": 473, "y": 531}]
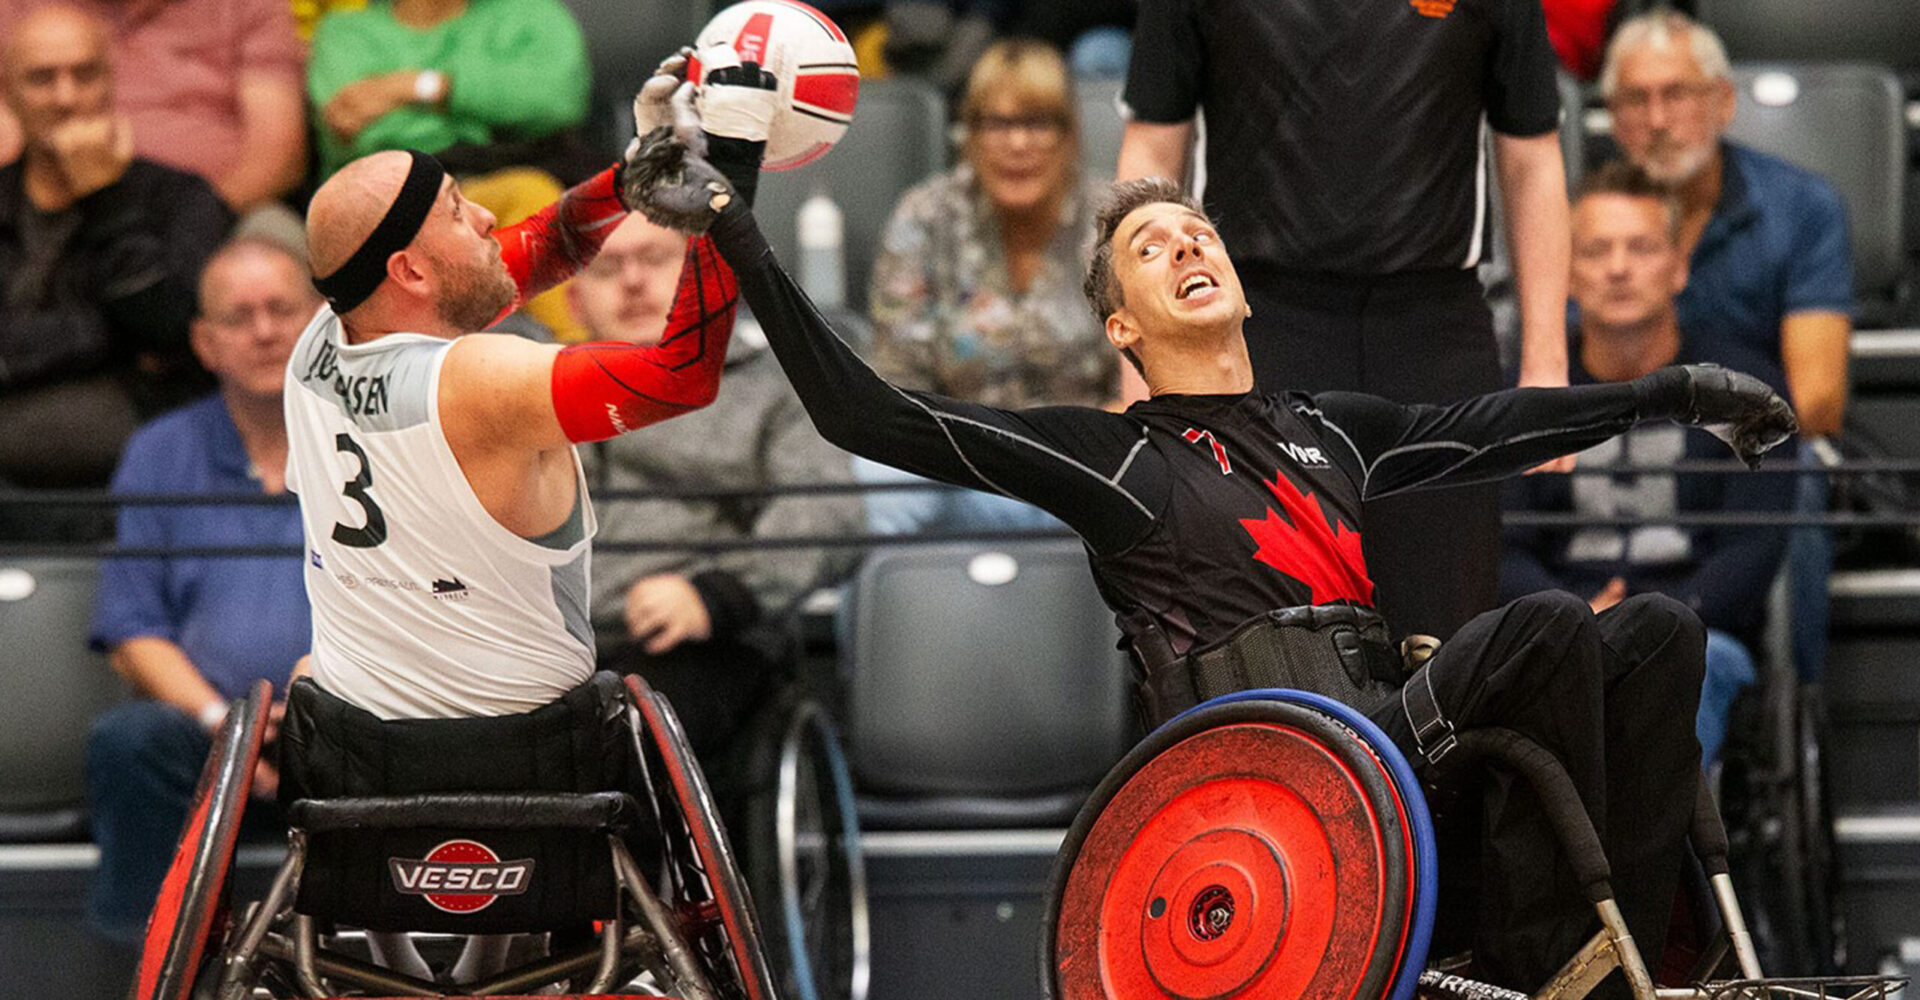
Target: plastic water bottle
[{"x": 822, "y": 236}]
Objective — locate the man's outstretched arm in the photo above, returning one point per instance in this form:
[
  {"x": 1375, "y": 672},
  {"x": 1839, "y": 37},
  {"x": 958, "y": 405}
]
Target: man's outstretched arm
[{"x": 1394, "y": 448}]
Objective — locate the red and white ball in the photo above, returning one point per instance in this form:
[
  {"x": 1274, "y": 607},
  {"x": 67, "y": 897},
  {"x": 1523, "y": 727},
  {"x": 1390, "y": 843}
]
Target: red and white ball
[{"x": 814, "y": 62}]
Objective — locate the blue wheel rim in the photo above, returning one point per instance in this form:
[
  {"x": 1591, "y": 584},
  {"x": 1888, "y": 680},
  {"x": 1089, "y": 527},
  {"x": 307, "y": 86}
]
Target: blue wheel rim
[{"x": 1426, "y": 857}]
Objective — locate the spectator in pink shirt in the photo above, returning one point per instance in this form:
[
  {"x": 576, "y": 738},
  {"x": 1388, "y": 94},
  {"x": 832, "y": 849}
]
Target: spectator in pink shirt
[{"x": 212, "y": 87}]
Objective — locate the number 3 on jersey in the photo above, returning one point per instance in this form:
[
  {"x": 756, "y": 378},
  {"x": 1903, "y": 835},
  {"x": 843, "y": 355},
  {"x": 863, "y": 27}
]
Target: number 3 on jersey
[{"x": 356, "y": 490}]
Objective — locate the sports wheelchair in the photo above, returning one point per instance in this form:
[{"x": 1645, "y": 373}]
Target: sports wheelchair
[
  {"x": 603, "y": 841},
  {"x": 1275, "y": 844}
]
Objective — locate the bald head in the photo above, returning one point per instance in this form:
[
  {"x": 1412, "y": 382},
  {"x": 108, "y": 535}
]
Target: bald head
[
  {"x": 54, "y": 67},
  {"x": 349, "y": 205}
]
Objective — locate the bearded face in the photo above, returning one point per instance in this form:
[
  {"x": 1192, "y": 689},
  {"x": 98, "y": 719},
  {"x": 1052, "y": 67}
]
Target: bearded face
[{"x": 473, "y": 292}]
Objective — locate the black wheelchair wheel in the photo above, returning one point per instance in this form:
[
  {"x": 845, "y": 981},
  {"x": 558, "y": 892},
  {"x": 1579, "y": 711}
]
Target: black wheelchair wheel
[
  {"x": 702, "y": 884},
  {"x": 1246, "y": 849},
  {"x": 801, "y": 852},
  {"x": 1827, "y": 926},
  {"x": 192, "y": 907}
]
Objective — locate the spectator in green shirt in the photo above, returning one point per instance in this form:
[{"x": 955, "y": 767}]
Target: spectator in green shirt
[{"x": 436, "y": 74}]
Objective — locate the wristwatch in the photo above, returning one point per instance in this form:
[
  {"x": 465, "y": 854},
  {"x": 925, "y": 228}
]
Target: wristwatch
[{"x": 429, "y": 85}]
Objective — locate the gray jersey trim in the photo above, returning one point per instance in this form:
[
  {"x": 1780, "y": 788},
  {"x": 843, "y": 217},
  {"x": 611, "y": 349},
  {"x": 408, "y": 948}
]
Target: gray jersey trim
[{"x": 570, "y": 596}]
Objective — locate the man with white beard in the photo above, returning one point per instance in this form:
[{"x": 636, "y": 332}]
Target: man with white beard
[{"x": 1771, "y": 286}]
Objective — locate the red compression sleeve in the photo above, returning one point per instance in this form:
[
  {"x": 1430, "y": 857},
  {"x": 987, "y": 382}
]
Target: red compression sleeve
[
  {"x": 604, "y": 388},
  {"x": 548, "y": 246}
]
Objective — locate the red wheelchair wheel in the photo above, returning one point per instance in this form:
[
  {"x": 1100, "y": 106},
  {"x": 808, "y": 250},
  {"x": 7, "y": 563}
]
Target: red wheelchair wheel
[
  {"x": 1253, "y": 849},
  {"x": 707, "y": 891},
  {"x": 193, "y": 898}
]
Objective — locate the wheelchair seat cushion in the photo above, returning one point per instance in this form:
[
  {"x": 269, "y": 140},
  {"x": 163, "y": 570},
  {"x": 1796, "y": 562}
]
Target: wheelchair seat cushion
[{"x": 444, "y": 864}]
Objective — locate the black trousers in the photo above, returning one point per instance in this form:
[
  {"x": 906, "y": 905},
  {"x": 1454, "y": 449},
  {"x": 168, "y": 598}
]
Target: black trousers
[
  {"x": 1416, "y": 337},
  {"x": 1613, "y": 697}
]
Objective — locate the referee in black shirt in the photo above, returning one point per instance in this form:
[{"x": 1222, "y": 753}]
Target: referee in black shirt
[{"x": 1346, "y": 165}]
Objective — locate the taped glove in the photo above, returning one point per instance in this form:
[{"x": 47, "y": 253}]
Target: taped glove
[{"x": 1734, "y": 407}]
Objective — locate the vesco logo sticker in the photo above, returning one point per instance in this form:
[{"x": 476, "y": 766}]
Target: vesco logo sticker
[{"x": 460, "y": 876}]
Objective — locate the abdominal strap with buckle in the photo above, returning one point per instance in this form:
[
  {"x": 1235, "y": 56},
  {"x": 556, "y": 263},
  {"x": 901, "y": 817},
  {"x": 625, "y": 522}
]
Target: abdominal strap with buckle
[{"x": 1335, "y": 650}]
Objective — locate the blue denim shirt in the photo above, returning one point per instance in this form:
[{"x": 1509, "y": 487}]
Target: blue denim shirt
[
  {"x": 1777, "y": 244},
  {"x": 237, "y": 619}
]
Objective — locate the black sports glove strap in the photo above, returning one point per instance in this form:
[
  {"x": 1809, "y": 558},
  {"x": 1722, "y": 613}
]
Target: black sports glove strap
[
  {"x": 363, "y": 272},
  {"x": 1736, "y": 408},
  {"x": 739, "y": 161}
]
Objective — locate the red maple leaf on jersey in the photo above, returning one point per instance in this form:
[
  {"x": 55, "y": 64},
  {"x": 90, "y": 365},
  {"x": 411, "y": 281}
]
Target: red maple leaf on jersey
[{"x": 1303, "y": 545}]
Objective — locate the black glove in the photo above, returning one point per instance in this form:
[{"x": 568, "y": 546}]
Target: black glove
[{"x": 1734, "y": 407}]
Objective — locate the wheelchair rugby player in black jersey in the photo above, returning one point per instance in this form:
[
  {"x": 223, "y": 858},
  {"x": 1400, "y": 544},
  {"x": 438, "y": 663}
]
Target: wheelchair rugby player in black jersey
[{"x": 1223, "y": 527}]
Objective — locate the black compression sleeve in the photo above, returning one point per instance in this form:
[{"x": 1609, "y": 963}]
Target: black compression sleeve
[
  {"x": 1398, "y": 448},
  {"x": 738, "y": 160},
  {"x": 1062, "y": 459}
]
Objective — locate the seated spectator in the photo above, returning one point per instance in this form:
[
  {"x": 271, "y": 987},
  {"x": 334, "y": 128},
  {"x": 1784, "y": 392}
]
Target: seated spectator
[
  {"x": 1771, "y": 286},
  {"x": 976, "y": 291},
  {"x": 211, "y": 87},
  {"x": 705, "y": 628},
  {"x": 1628, "y": 270},
  {"x": 491, "y": 87},
  {"x": 189, "y": 634},
  {"x": 99, "y": 250}
]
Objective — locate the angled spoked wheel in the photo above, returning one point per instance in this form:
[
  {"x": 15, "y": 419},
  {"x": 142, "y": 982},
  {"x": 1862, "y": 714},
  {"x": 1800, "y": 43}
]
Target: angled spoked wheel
[
  {"x": 702, "y": 885},
  {"x": 193, "y": 904},
  {"x": 801, "y": 853},
  {"x": 1270, "y": 844}
]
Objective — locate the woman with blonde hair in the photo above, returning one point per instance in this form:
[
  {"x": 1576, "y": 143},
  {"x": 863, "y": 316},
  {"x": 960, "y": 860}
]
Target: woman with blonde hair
[{"x": 976, "y": 292}]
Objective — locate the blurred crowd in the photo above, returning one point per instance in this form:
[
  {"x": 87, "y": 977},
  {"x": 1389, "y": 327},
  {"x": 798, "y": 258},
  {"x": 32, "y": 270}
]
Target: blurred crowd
[{"x": 153, "y": 281}]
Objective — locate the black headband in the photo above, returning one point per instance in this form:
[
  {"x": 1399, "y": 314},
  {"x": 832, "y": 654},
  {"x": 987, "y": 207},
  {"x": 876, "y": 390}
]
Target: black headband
[{"x": 367, "y": 268}]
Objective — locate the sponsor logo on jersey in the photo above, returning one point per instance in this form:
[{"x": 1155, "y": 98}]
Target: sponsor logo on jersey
[
  {"x": 1308, "y": 456},
  {"x": 347, "y": 580},
  {"x": 1433, "y": 8},
  {"x": 450, "y": 590},
  {"x": 460, "y": 876}
]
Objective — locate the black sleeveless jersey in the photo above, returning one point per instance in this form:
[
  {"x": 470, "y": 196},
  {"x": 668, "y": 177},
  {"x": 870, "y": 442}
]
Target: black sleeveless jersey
[{"x": 1198, "y": 512}]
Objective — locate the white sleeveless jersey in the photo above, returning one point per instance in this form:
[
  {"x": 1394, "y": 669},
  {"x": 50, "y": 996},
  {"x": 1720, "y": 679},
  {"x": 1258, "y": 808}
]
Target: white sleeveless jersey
[{"x": 424, "y": 606}]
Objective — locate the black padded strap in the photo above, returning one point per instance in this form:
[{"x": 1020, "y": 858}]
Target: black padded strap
[
  {"x": 1709, "y": 836},
  {"x": 1542, "y": 771},
  {"x": 606, "y": 811}
]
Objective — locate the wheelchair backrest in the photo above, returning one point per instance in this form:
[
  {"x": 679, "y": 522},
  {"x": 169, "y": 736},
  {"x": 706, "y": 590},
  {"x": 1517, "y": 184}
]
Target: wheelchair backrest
[{"x": 435, "y": 874}]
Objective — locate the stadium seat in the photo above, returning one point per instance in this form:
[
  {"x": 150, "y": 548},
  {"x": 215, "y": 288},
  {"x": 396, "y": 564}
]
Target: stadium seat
[
  {"x": 1846, "y": 122},
  {"x": 1878, "y": 31},
  {"x": 625, "y": 41},
  {"x": 986, "y": 689},
  {"x": 1100, "y": 127},
  {"x": 898, "y": 138},
  {"x": 54, "y": 687}
]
